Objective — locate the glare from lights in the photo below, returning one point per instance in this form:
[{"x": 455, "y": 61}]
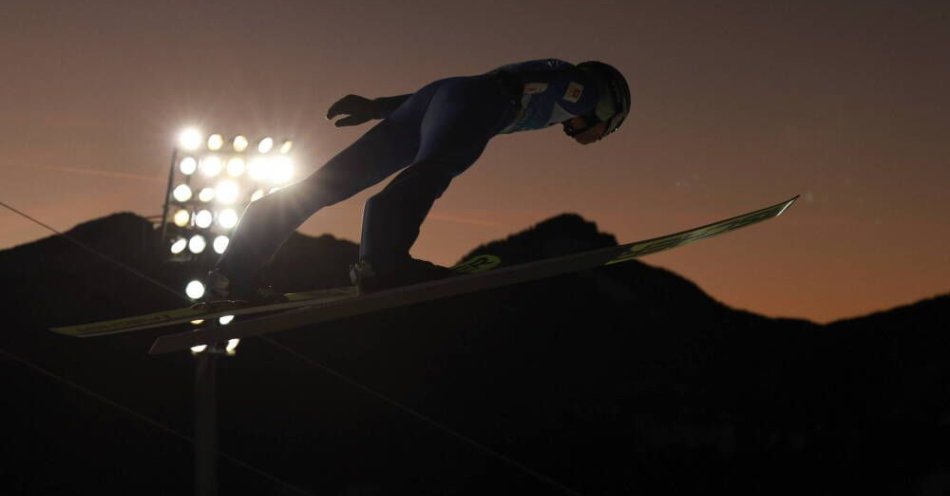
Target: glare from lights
[
  {"x": 221, "y": 244},
  {"x": 236, "y": 167},
  {"x": 228, "y": 192},
  {"x": 265, "y": 145},
  {"x": 228, "y": 218},
  {"x": 182, "y": 218},
  {"x": 239, "y": 143},
  {"x": 195, "y": 290},
  {"x": 258, "y": 168},
  {"x": 286, "y": 146},
  {"x": 226, "y": 319},
  {"x": 199, "y": 349},
  {"x": 197, "y": 244},
  {"x": 179, "y": 246},
  {"x": 215, "y": 142},
  {"x": 188, "y": 166},
  {"x": 211, "y": 166},
  {"x": 232, "y": 346},
  {"x": 204, "y": 219},
  {"x": 190, "y": 139},
  {"x": 257, "y": 195},
  {"x": 206, "y": 195},
  {"x": 274, "y": 190},
  {"x": 182, "y": 193},
  {"x": 282, "y": 170}
]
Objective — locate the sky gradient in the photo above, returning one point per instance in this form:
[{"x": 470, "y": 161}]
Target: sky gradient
[{"x": 736, "y": 105}]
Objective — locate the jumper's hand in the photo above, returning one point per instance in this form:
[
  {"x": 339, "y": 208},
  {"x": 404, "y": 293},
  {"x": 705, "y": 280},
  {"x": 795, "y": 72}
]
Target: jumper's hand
[{"x": 357, "y": 108}]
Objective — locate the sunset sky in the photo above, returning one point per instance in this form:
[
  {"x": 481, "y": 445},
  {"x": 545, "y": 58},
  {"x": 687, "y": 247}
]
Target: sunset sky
[{"x": 736, "y": 106}]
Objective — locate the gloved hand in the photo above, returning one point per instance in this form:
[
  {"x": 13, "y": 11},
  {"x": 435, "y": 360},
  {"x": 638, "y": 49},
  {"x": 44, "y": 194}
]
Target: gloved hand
[{"x": 358, "y": 109}]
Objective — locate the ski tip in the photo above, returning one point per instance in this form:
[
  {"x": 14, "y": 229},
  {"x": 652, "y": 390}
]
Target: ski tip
[
  {"x": 787, "y": 204},
  {"x": 65, "y": 331}
]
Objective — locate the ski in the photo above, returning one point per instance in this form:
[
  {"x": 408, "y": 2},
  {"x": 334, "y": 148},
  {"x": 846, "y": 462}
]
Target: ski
[
  {"x": 196, "y": 313},
  {"x": 482, "y": 273}
]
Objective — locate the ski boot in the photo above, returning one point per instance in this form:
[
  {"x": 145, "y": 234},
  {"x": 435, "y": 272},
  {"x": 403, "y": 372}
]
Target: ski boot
[
  {"x": 223, "y": 293},
  {"x": 368, "y": 279}
]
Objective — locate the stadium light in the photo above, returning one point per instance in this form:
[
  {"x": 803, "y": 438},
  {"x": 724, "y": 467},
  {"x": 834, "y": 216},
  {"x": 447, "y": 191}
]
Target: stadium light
[
  {"x": 239, "y": 143},
  {"x": 182, "y": 218},
  {"x": 188, "y": 166},
  {"x": 215, "y": 142},
  {"x": 221, "y": 244},
  {"x": 227, "y": 192},
  {"x": 204, "y": 218},
  {"x": 179, "y": 246},
  {"x": 257, "y": 168},
  {"x": 228, "y": 218},
  {"x": 190, "y": 139},
  {"x": 282, "y": 170},
  {"x": 182, "y": 193},
  {"x": 206, "y": 195},
  {"x": 236, "y": 167},
  {"x": 195, "y": 290},
  {"x": 211, "y": 166},
  {"x": 197, "y": 244},
  {"x": 265, "y": 145}
]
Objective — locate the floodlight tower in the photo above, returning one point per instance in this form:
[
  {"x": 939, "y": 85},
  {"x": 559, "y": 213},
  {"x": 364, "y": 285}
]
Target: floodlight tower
[{"x": 210, "y": 182}]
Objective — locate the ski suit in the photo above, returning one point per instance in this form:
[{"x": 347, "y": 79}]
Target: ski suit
[{"x": 432, "y": 136}]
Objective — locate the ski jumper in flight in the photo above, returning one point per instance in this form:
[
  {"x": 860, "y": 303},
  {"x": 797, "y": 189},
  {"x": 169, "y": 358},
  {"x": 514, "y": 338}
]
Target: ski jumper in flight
[{"x": 432, "y": 136}]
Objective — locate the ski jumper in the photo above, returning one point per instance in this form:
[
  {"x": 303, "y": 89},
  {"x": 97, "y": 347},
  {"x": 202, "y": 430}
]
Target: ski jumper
[{"x": 431, "y": 135}]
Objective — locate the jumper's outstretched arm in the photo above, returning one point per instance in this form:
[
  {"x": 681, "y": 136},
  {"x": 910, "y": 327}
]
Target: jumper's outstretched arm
[{"x": 359, "y": 109}]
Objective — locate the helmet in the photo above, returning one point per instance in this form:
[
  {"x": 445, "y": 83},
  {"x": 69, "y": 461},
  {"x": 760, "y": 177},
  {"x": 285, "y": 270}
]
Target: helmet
[{"x": 614, "y": 103}]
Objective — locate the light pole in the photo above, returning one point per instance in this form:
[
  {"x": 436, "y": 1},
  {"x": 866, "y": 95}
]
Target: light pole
[{"x": 210, "y": 182}]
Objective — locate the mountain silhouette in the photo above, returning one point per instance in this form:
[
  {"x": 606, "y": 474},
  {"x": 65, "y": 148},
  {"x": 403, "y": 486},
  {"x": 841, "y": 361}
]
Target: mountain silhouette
[{"x": 625, "y": 379}]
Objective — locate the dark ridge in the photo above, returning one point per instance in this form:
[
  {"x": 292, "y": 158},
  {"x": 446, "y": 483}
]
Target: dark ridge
[
  {"x": 625, "y": 379},
  {"x": 305, "y": 262},
  {"x": 901, "y": 317},
  {"x": 557, "y": 236}
]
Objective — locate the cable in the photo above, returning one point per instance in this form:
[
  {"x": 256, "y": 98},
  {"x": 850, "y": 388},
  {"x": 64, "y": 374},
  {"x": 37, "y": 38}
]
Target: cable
[
  {"x": 146, "y": 419},
  {"x": 481, "y": 447},
  {"x": 97, "y": 253}
]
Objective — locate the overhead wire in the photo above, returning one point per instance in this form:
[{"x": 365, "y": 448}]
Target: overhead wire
[
  {"x": 148, "y": 420},
  {"x": 98, "y": 253},
  {"x": 471, "y": 442},
  {"x": 425, "y": 419}
]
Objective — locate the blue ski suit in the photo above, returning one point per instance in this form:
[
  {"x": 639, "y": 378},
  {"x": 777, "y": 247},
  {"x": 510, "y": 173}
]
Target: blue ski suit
[{"x": 432, "y": 136}]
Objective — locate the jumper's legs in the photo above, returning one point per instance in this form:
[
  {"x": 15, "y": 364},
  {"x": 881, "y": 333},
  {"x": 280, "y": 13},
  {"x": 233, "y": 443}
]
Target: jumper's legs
[
  {"x": 268, "y": 222},
  {"x": 462, "y": 116}
]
